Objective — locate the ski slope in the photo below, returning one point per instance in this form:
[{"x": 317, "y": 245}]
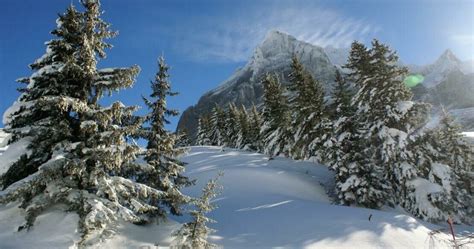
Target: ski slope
[{"x": 277, "y": 203}]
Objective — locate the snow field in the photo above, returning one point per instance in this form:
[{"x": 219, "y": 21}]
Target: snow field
[{"x": 277, "y": 203}]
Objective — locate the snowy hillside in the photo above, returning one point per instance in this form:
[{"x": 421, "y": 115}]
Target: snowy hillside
[{"x": 277, "y": 203}]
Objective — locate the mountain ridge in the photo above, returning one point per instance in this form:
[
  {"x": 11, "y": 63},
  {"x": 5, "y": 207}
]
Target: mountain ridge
[
  {"x": 243, "y": 87},
  {"x": 274, "y": 55}
]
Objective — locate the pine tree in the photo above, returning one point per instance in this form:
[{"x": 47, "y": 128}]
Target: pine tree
[
  {"x": 342, "y": 97},
  {"x": 92, "y": 172},
  {"x": 306, "y": 104},
  {"x": 341, "y": 127},
  {"x": 232, "y": 126},
  {"x": 385, "y": 116},
  {"x": 194, "y": 234},
  {"x": 276, "y": 132},
  {"x": 458, "y": 154},
  {"x": 218, "y": 132},
  {"x": 183, "y": 139},
  {"x": 358, "y": 63},
  {"x": 36, "y": 119},
  {"x": 255, "y": 127},
  {"x": 204, "y": 131},
  {"x": 166, "y": 171},
  {"x": 243, "y": 140},
  {"x": 444, "y": 160},
  {"x": 457, "y": 151}
]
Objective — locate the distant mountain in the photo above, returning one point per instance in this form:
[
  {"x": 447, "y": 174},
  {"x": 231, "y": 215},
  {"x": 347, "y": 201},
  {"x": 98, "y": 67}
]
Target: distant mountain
[
  {"x": 448, "y": 81},
  {"x": 337, "y": 56},
  {"x": 244, "y": 87},
  {"x": 456, "y": 90},
  {"x": 438, "y": 71}
]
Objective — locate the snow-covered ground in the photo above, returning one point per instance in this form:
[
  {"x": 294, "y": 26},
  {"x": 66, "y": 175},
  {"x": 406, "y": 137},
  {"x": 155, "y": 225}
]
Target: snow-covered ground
[
  {"x": 3, "y": 141},
  {"x": 279, "y": 203}
]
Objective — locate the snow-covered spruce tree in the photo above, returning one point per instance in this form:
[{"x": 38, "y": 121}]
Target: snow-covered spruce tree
[
  {"x": 254, "y": 132},
  {"x": 35, "y": 120},
  {"x": 204, "y": 131},
  {"x": 306, "y": 105},
  {"x": 243, "y": 139},
  {"x": 458, "y": 154},
  {"x": 276, "y": 128},
  {"x": 341, "y": 112},
  {"x": 92, "y": 173},
  {"x": 444, "y": 186},
  {"x": 232, "y": 126},
  {"x": 218, "y": 131},
  {"x": 373, "y": 172},
  {"x": 194, "y": 234},
  {"x": 342, "y": 97},
  {"x": 457, "y": 151},
  {"x": 165, "y": 171},
  {"x": 183, "y": 139}
]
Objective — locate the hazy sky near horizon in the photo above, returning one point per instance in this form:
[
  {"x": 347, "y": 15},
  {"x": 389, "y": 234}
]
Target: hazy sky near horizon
[{"x": 206, "y": 41}]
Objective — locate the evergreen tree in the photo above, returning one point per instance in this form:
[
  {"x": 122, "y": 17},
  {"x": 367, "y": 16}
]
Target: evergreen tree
[
  {"x": 35, "y": 118},
  {"x": 342, "y": 97},
  {"x": 194, "y": 234},
  {"x": 341, "y": 127},
  {"x": 93, "y": 172},
  {"x": 444, "y": 161},
  {"x": 358, "y": 63},
  {"x": 276, "y": 132},
  {"x": 243, "y": 140},
  {"x": 204, "y": 131},
  {"x": 371, "y": 173},
  {"x": 458, "y": 153},
  {"x": 232, "y": 126},
  {"x": 166, "y": 171},
  {"x": 218, "y": 132},
  {"x": 183, "y": 139},
  {"x": 255, "y": 127},
  {"x": 306, "y": 104}
]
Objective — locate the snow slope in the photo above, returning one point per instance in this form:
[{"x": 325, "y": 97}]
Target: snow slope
[{"x": 278, "y": 203}]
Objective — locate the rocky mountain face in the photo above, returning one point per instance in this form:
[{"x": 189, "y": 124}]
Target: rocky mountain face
[
  {"x": 448, "y": 81},
  {"x": 244, "y": 87},
  {"x": 438, "y": 72}
]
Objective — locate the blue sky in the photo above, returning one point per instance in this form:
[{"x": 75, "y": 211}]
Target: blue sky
[{"x": 205, "y": 41}]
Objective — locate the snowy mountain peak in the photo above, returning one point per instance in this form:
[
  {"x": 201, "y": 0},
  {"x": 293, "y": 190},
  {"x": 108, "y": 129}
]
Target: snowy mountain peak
[
  {"x": 276, "y": 35},
  {"x": 441, "y": 68},
  {"x": 448, "y": 56},
  {"x": 274, "y": 54},
  {"x": 277, "y": 42}
]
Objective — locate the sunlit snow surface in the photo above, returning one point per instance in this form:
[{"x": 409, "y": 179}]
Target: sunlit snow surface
[
  {"x": 277, "y": 203},
  {"x": 469, "y": 134}
]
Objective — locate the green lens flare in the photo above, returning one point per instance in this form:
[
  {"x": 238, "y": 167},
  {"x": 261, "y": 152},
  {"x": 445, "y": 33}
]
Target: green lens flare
[{"x": 413, "y": 80}]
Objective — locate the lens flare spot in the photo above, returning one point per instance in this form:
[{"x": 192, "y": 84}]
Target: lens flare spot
[{"x": 413, "y": 80}]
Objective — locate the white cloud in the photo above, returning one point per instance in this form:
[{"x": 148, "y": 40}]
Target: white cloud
[{"x": 233, "y": 36}]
